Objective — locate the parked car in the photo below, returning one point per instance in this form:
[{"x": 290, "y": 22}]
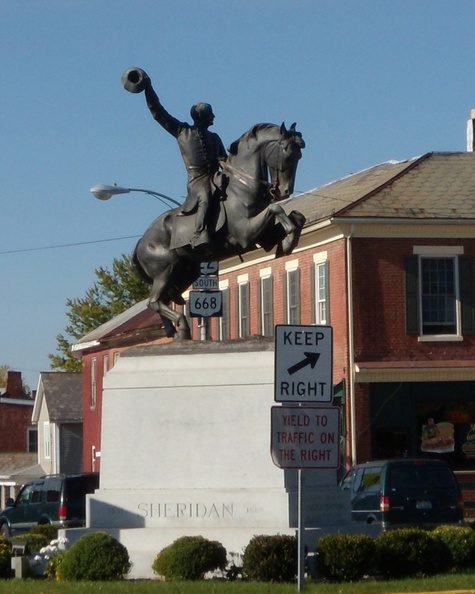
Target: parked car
[
  {"x": 56, "y": 499},
  {"x": 404, "y": 491}
]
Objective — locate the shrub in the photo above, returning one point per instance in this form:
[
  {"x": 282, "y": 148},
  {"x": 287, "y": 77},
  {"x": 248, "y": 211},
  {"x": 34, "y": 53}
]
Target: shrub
[
  {"x": 47, "y": 530},
  {"x": 408, "y": 551},
  {"x": 52, "y": 569},
  {"x": 5, "y": 557},
  {"x": 459, "y": 543},
  {"x": 95, "y": 556},
  {"x": 271, "y": 558},
  {"x": 189, "y": 558},
  {"x": 33, "y": 542},
  {"x": 345, "y": 557}
]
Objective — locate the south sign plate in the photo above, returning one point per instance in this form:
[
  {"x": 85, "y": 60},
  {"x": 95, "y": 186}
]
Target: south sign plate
[{"x": 303, "y": 363}]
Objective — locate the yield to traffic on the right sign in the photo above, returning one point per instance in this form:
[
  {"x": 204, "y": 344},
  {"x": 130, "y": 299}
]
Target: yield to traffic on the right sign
[{"x": 303, "y": 363}]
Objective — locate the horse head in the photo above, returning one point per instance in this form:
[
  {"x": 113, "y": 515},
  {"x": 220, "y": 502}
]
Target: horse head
[
  {"x": 280, "y": 151},
  {"x": 282, "y": 160},
  {"x": 283, "y": 150}
]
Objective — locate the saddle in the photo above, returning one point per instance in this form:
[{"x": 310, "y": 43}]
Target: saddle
[{"x": 183, "y": 224}]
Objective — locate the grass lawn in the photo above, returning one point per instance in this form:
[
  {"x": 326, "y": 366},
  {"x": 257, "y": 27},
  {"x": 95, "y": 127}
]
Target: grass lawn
[{"x": 447, "y": 582}]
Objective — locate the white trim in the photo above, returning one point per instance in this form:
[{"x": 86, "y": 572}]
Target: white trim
[
  {"x": 320, "y": 257},
  {"x": 440, "y": 338},
  {"x": 46, "y": 441},
  {"x": 437, "y": 250},
  {"x": 265, "y": 272},
  {"x": 224, "y": 284},
  {"x": 80, "y": 346},
  {"x": 292, "y": 265},
  {"x": 18, "y": 401},
  {"x": 243, "y": 278}
]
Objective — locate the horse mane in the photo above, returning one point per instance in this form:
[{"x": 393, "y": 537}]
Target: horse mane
[{"x": 250, "y": 134}]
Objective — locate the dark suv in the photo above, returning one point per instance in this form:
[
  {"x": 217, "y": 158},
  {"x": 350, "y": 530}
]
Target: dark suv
[
  {"x": 404, "y": 491},
  {"x": 56, "y": 499}
]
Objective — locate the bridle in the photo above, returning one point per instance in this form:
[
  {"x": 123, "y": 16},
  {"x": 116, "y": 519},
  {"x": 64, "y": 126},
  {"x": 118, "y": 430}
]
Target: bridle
[{"x": 272, "y": 188}]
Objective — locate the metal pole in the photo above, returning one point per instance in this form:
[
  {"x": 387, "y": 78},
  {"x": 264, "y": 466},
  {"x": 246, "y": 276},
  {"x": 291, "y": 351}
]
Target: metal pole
[
  {"x": 204, "y": 329},
  {"x": 301, "y": 542}
]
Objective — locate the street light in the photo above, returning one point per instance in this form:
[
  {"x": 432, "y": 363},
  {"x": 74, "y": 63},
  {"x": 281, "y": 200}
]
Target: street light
[{"x": 104, "y": 192}]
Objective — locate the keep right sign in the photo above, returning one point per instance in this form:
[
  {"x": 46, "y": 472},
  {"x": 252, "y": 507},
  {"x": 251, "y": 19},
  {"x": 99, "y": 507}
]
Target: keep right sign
[{"x": 303, "y": 363}]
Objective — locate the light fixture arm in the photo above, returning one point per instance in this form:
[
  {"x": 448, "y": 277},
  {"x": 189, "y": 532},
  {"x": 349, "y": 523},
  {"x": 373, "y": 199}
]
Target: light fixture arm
[{"x": 105, "y": 192}]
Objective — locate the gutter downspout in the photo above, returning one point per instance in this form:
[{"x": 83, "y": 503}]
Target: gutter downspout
[{"x": 351, "y": 355}]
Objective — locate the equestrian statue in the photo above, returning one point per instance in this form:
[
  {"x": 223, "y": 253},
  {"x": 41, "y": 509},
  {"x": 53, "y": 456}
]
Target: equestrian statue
[{"x": 231, "y": 205}]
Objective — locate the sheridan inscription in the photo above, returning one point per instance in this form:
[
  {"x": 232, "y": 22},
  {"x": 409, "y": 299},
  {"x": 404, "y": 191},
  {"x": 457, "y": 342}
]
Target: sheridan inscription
[{"x": 212, "y": 511}]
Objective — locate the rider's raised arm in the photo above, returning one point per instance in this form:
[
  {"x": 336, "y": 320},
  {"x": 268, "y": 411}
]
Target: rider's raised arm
[{"x": 159, "y": 113}]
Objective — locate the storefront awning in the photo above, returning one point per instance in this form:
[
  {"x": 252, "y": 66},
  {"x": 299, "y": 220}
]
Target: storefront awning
[{"x": 414, "y": 371}]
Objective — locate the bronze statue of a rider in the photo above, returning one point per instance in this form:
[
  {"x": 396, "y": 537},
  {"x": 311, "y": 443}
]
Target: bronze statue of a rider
[{"x": 201, "y": 150}]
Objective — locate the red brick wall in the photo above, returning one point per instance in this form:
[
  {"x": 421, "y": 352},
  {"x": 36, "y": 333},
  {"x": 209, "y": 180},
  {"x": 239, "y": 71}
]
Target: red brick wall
[
  {"x": 14, "y": 422},
  {"x": 379, "y": 302}
]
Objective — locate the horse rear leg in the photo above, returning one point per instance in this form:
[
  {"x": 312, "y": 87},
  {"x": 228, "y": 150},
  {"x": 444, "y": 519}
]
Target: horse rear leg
[{"x": 175, "y": 323}]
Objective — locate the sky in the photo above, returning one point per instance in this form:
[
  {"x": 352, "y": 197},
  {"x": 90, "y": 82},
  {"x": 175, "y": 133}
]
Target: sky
[{"x": 367, "y": 81}]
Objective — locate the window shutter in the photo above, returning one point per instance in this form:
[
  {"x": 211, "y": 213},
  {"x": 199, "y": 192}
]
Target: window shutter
[
  {"x": 313, "y": 305},
  {"x": 297, "y": 281},
  {"x": 236, "y": 312},
  {"x": 271, "y": 289},
  {"x": 285, "y": 317},
  {"x": 247, "y": 328},
  {"x": 466, "y": 294},
  {"x": 327, "y": 291},
  {"x": 412, "y": 310},
  {"x": 259, "y": 306}
]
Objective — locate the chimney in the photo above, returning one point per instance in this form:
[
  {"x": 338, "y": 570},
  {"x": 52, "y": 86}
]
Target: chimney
[
  {"x": 14, "y": 384},
  {"x": 471, "y": 132}
]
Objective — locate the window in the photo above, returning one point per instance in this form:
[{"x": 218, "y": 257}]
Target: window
[
  {"x": 266, "y": 306},
  {"x": 224, "y": 319},
  {"x": 105, "y": 364},
  {"x": 47, "y": 440},
  {"x": 292, "y": 296},
  {"x": 24, "y": 497},
  {"x": 32, "y": 439},
  {"x": 243, "y": 310},
  {"x": 321, "y": 293},
  {"x": 93, "y": 383},
  {"x": 116, "y": 356},
  {"x": 438, "y": 298},
  {"x": 36, "y": 492},
  {"x": 439, "y": 294},
  {"x": 53, "y": 489}
]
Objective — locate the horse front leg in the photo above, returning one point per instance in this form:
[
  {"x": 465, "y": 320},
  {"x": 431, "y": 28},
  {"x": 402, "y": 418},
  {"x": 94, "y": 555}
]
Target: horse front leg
[
  {"x": 290, "y": 241},
  {"x": 291, "y": 225}
]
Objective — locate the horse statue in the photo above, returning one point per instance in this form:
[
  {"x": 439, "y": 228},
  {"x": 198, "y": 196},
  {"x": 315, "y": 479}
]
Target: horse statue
[{"x": 245, "y": 215}]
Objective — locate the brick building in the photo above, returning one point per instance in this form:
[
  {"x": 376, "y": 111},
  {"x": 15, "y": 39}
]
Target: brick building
[
  {"x": 99, "y": 351},
  {"x": 386, "y": 259},
  {"x": 16, "y": 431}
]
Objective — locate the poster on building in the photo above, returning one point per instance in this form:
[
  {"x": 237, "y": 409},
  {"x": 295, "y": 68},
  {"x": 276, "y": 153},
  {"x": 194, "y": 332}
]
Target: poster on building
[
  {"x": 437, "y": 438},
  {"x": 468, "y": 446}
]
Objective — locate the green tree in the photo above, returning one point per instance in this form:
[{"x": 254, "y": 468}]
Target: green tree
[
  {"x": 3, "y": 375},
  {"x": 114, "y": 291}
]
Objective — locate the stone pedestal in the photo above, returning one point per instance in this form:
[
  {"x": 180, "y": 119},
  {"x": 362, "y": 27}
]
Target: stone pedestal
[{"x": 186, "y": 450}]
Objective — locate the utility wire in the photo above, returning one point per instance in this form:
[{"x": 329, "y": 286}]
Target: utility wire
[{"x": 65, "y": 245}]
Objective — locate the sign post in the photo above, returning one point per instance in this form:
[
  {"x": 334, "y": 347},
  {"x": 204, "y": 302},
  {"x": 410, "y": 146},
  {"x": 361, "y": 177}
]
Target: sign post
[{"x": 304, "y": 433}]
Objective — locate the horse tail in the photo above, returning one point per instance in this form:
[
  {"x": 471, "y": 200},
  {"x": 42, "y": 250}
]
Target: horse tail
[{"x": 139, "y": 268}]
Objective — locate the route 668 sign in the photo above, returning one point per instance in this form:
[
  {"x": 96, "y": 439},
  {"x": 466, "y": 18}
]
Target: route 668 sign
[{"x": 205, "y": 304}]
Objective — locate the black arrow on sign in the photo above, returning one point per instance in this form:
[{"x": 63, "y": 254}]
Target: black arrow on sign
[{"x": 310, "y": 359}]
